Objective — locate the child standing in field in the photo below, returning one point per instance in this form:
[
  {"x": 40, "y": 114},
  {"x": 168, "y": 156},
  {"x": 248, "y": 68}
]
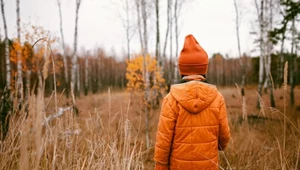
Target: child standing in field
[{"x": 193, "y": 122}]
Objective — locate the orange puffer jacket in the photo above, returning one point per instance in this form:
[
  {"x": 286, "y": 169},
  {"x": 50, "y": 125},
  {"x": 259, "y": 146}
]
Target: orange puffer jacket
[{"x": 193, "y": 125}]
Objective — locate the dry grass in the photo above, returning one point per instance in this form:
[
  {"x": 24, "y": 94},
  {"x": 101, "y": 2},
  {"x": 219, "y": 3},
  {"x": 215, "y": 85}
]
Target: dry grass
[
  {"x": 71, "y": 142},
  {"x": 109, "y": 133},
  {"x": 269, "y": 139}
]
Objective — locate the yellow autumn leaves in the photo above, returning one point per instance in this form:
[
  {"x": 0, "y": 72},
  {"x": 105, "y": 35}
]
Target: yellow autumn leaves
[
  {"x": 32, "y": 58},
  {"x": 135, "y": 77}
]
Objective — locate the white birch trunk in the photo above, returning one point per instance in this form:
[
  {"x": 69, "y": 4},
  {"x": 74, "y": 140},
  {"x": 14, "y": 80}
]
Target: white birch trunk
[
  {"x": 128, "y": 36},
  {"x": 157, "y": 51},
  {"x": 167, "y": 30},
  {"x": 171, "y": 42},
  {"x": 155, "y": 102},
  {"x": 176, "y": 18},
  {"x": 7, "y": 59},
  {"x": 74, "y": 58},
  {"x": 145, "y": 31},
  {"x": 63, "y": 43},
  {"x": 237, "y": 28},
  {"x": 19, "y": 84},
  {"x": 260, "y": 12},
  {"x": 138, "y": 9},
  {"x": 146, "y": 73}
]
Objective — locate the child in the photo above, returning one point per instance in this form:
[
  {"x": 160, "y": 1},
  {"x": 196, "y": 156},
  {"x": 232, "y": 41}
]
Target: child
[{"x": 193, "y": 122}]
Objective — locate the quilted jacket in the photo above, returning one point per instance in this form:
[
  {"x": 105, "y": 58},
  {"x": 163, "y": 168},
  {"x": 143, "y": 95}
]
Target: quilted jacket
[{"x": 192, "y": 126}]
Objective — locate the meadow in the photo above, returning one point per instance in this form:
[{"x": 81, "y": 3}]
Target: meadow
[{"x": 109, "y": 133}]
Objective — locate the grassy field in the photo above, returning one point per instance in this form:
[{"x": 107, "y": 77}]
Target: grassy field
[{"x": 109, "y": 133}]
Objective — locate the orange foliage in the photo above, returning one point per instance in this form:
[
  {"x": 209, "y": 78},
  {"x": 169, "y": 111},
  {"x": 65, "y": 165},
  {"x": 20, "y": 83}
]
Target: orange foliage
[
  {"x": 33, "y": 58},
  {"x": 135, "y": 77}
]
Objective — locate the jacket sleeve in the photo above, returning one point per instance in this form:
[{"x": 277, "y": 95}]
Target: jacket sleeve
[
  {"x": 224, "y": 131},
  {"x": 164, "y": 136}
]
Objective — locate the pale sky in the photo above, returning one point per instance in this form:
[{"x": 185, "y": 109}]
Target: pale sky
[{"x": 212, "y": 22}]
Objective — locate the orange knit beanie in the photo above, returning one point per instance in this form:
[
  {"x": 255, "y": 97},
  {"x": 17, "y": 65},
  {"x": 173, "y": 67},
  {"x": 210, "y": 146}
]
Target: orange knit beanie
[{"x": 193, "y": 59}]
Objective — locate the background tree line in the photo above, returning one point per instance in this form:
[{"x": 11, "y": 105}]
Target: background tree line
[{"x": 107, "y": 71}]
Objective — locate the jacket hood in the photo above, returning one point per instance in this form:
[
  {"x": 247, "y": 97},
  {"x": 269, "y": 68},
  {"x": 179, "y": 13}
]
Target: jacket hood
[{"x": 194, "y": 96}]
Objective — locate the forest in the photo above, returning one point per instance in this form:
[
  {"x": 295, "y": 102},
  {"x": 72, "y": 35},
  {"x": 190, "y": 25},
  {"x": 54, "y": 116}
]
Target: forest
[{"x": 65, "y": 109}]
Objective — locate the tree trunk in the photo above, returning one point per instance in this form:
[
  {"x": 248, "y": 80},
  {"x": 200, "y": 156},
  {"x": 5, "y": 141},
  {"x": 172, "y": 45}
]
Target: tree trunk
[
  {"x": 293, "y": 64},
  {"x": 128, "y": 36},
  {"x": 261, "y": 58},
  {"x": 267, "y": 62},
  {"x": 7, "y": 59},
  {"x": 99, "y": 72},
  {"x": 171, "y": 44},
  {"x": 292, "y": 79},
  {"x": 64, "y": 49},
  {"x": 19, "y": 86},
  {"x": 155, "y": 102},
  {"x": 146, "y": 73},
  {"x": 74, "y": 58},
  {"x": 86, "y": 76},
  {"x": 157, "y": 50},
  {"x": 78, "y": 78},
  {"x": 145, "y": 31},
  {"x": 27, "y": 90},
  {"x": 242, "y": 64},
  {"x": 269, "y": 59},
  {"x": 280, "y": 63},
  {"x": 168, "y": 29},
  {"x": 176, "y": 18},
  {"x": 138, "y": 6},
  {"x": 5, "y": 100}
]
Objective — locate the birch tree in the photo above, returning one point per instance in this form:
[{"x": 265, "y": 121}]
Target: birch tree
[
  {"x": 7, "y": 59},
  {"x": 63, "y": 47},
  {"x": 128, "y": 28},
  {"x": 260, "y": 14},
  {"x": 145, "y": 13},
  {"x": 157, "y": 47},
  {"x": 265, "y": 20},
  {"x": 237, "y": 29},
  {"x": 269, "y": 50},
  {"x": 19, "y": 84},
  {"x": 124, "y": 12},
  {"x": 178, "y": 5},
  {"x": 167, "y": 29},
  {"x": 159, "y": 63},
  {"x": 146, "y": 73},
  {"x": 75, "y": 69},
  {"x": 5, "y": 101},
  {"x": 139, "y": 24},
  {"x": 170, "y": 4},
  {"x": 142, "y": 22}
]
